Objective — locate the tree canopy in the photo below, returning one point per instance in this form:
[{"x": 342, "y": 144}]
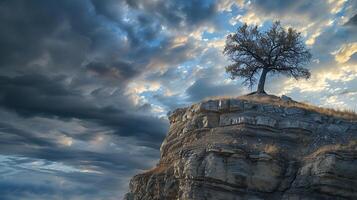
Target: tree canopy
[{"x": 275, "y": 50}]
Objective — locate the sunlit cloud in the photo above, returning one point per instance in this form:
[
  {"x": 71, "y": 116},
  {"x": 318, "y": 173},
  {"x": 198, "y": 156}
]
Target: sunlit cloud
[
  {"x": 312, "y": 38},
  {"x": 344, "y": 53},
  {"x": 138, "y": 87},
  {"x": 336, "y": 5},
  {"x": 250, "y": 18},
  {"x": 179, "y": 41},
  {"x": 320, "y": 79},
  {"x": 227, "y": 5},
  {"x": 64, "y": 140}
]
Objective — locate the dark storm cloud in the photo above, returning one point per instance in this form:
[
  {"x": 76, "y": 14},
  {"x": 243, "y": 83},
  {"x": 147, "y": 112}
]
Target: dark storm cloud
[
  {"x": 7, "y": 190},
  {"x": 47, "y": 186},
  {"x": 48, "y": 97},
  {"x": 91, "y": 175},
  {"x": 66, "y": 34},
  {"x": 49, "y": 28},
  {"x": 145, "y": 28},
  {"x": 119, "y": 70},
  {"x": 175, "y": 14},
  {"x": 58, "y": 60},
  {"x": 49, "y": 51},
  {"x": 112, "y": 163},
  {"x": 11, "y": 135},
  {"x": 64, "y": 37},
  {"x": 31, "y": 29}
]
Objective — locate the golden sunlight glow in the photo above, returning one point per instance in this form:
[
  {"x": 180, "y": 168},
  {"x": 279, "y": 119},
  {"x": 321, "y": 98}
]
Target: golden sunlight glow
[
  {"x": 66, "y": 141},
  {"x": 140, "y": 87},
  {"x": 344, "y": 53},
  {"x": 320, "y": 79},
  {"x": 226, "y": 5},
  {"x": 179, "y": 41},
  {"x": 336, "y": 5},
  {"x": 250, "y": 18},
  {"x": 312, "y": 38}
]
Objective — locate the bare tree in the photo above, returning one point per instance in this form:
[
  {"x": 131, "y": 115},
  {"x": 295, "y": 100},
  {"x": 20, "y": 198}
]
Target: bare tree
[{"x": 274, "y": 51}]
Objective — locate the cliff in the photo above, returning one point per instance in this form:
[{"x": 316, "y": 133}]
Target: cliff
[{"x": 250, "y": 148}]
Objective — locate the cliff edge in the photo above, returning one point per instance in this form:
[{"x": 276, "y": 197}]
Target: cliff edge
[{"x": 253, "y": 148}]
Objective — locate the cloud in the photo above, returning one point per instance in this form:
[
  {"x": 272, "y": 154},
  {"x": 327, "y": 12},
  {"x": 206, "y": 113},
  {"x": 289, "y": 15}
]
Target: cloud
[
  {"x": 309, "y": 9},
  {"x": 344, "y": 53},
  {"x": 314, "y": 16},
  {"x": 326, "y": 87},
  {"x": 178, "y": 14},
  {"x": 14, "y": 136},
  {"x": 312, "y": 38},
  {"x": 42, "y": 179},
  {"x": 45, "y": 97},
  {"x": 227, "y": 5},
  {"x": 352, "y": 21}
]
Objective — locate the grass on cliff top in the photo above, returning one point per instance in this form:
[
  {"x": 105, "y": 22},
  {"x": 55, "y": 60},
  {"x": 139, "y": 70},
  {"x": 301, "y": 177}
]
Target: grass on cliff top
[{"x": 274, "y": 100}]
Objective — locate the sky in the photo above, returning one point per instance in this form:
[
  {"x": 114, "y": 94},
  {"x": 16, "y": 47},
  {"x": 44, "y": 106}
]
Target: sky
[{"x": 85, "y": 86}]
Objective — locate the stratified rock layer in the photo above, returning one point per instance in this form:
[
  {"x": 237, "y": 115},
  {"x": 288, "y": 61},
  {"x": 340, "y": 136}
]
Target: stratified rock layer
[{"x": 233, "y": 149}]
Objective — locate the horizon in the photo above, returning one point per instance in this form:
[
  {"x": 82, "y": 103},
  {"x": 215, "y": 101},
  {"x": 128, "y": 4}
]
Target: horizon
[{"x": 86, "y": 85}]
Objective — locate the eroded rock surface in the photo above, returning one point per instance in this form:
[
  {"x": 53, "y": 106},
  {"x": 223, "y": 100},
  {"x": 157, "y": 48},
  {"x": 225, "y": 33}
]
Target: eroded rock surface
[{"x": 233, "y": 149}]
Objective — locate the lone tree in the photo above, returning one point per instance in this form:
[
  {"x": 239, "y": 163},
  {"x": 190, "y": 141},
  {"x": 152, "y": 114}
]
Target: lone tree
[{"x": 276, "y": 50}]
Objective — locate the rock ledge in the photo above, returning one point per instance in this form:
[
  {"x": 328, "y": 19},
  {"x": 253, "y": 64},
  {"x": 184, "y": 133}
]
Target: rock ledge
[{"x": 232, "y": 149}]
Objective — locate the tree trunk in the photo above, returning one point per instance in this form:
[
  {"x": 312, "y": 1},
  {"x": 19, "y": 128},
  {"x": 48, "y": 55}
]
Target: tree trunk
[{"x": 261, "y": 84}]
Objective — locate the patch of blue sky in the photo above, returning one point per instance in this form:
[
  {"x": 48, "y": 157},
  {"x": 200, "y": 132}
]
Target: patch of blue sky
[
  {"x": 342, "y": 12},
  {"x": 189, "y": 65},
  {"x": 204, "y": 3},
  {"x": 158, "y": 107},
  {"x": 156, "y": 42},
  {"x": 116, "y": 29},
  {"x": 223, "y": 19},
  {"x": 208, "y": 3},
  {"x": 212, "y": 35}
]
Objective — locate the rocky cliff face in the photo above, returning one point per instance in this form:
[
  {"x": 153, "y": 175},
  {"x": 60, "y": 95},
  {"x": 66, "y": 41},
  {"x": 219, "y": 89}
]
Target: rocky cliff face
[{"x": 231, "y": 149}]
